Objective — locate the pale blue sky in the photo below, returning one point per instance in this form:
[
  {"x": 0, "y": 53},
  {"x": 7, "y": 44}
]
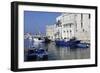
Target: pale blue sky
[{"x": 35, "y": 21}]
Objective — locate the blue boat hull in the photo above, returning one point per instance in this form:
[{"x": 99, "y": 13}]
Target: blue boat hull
[
  {"x": 37, "y": 54},
  {"x": 67, "y": 44},
  {"x": 74, "y": 44}
]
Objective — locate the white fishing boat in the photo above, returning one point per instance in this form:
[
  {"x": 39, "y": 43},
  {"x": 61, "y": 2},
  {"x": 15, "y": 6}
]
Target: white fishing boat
[
  {"x": 66, "y": 39},
  {"x": 38, "y": 40}
]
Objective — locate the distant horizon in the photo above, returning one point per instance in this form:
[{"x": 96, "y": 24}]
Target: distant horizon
[{"x": 36, "y": 21}]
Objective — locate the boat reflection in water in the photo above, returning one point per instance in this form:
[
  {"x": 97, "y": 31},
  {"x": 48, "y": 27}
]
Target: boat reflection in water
[{"x": 40, "y": 51}]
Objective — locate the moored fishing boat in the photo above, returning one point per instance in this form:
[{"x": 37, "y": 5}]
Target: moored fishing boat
[
  {"x": 38, "y": 40},
  {"x": 67, "y": 43},
  {"x": 73, "y": 43},
  {"x": 37, "y": 54}
]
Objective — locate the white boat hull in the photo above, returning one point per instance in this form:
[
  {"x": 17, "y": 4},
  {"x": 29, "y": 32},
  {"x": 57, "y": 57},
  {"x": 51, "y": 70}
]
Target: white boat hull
[{"x": 36, "y": 40}]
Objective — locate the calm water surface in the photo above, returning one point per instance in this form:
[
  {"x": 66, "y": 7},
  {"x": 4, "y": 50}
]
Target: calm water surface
[{"x": 58, "y": 53}]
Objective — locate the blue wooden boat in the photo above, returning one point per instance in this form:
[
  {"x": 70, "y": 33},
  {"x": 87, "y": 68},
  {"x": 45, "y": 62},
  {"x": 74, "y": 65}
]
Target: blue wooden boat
[
  {"x": 72, "y": 43},
  {"x": 69, "y": 43},
  {"x": 37, "y": 54}
]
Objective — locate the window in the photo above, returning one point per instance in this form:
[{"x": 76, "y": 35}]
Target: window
[
  {"x": 67, "y": 31},
  {"x": 76, "y": 24},
  {"x": 70, "y": 33},
  {"x": 89, "y": 16},
  {"x": 81, "y": 20},
  {"x": 58, "y": 23},
  {"x": 65, "y": 25},
  {"x": 83, "y": 30},
  {"x": 70, "y": 25}
]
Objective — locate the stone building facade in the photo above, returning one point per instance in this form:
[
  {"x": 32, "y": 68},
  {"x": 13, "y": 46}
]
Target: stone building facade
[
  {"x": 69, "y": 25},
  {"x": 50, "y": 31}
]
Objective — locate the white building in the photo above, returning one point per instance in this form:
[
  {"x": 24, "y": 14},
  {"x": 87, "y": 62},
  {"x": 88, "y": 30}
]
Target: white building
[
  {"x": 50, "y": 31},
  {"x": 83, "y": 27},
  {"x": 69, "y": 25},
  {"x": 65, "y": 26}
]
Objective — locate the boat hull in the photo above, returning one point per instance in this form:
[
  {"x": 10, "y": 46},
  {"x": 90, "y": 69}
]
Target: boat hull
[{"x": 73, "y": 44}]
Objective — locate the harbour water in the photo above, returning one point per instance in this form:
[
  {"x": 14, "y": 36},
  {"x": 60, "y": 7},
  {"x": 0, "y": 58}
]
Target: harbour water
[{"x": 57, "y": 53}]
